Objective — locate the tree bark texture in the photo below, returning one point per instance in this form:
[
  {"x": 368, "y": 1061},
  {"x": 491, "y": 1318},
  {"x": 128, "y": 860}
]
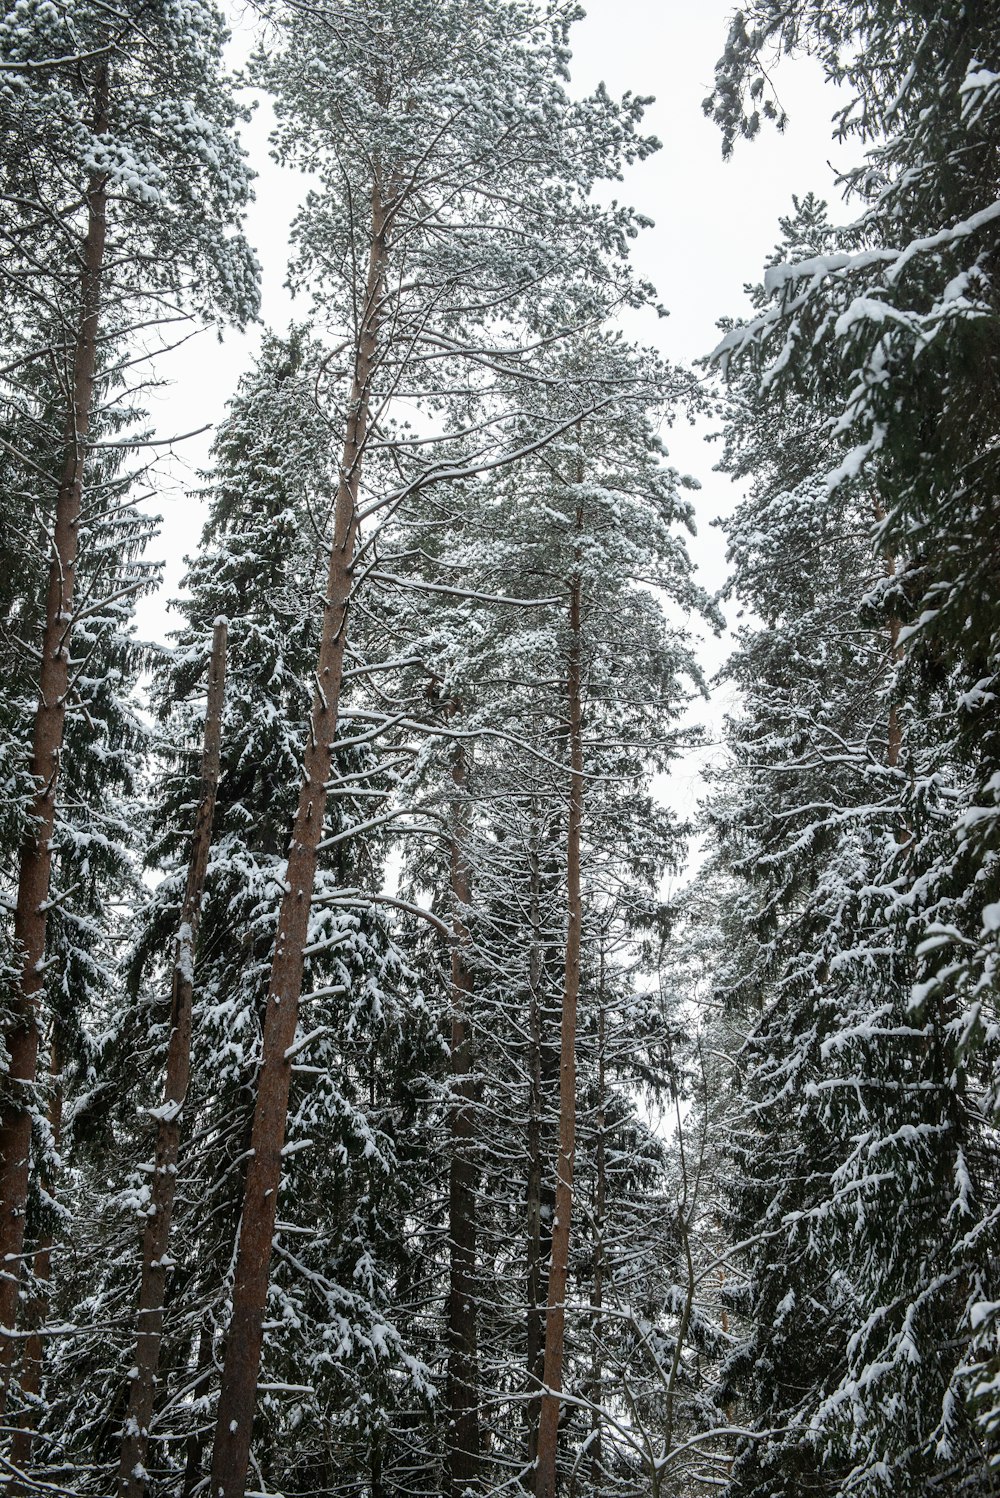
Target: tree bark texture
[
  {"x": 543, "y": 1074},
  {"x": 33, "y": 1357},
  {"x": 156, "y": 1230},
  {"x": 548, "y": 1422},
  {"x": 237, "y": 1400},
  {"x": 201, "y": 1389},
  {"x": 463, "y": 1369},
  {"x": 35, "y": 872},
  {"x": 597, "y": 1286}
]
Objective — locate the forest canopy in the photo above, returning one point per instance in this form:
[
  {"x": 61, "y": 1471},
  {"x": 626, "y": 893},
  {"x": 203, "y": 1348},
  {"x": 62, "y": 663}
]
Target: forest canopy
[{"x": 400, "y": 1094}]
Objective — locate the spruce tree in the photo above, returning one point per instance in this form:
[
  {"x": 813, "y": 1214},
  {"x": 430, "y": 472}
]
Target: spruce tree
[
  {"x": 863, "y": 1159},
  {"x": 330, "y": 1335}
]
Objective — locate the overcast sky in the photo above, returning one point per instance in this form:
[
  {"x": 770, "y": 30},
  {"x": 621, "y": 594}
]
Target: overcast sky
[{"x": 715, "y": 222}]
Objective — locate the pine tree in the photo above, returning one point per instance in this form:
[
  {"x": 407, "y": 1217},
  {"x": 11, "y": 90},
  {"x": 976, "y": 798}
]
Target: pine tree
[
  {"x": 896, "y": 325},
  {"x": 452, "y": 215},
  {"x": 93, "y": 846},
  {"x": 135, "y": 188},
  {"x": 505, "y": 553},
  {"x": 330, "y": 1340}
]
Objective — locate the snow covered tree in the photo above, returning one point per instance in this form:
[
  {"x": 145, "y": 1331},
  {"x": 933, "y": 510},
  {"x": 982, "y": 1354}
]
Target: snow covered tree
[
  {"x": 452, "y": 235},
  {"x": 609, "y": 516},
  {"x": 155, "y": 1260},
  {"x": 122, "y": 186},
  {"x": 499, "y": 558},
  {"x": 93, "y": 841},
  {"x": 864, "y": 1158},
  {"x": 340, "y": 1243},
  {"x": 894, "y": 326}
]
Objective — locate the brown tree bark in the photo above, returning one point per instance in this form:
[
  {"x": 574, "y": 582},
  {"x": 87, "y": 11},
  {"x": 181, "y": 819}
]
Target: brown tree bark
[
  {"x": 548, "y": 1422},
  {"x": 34, "y": 878},
  {"x": 535, "y": 1350},
  {"x": 238, "y": 1396},
  {"x": 156, "y": 1230},
  {"x": 463, "y": 1362},
  {"x": 543, "y": 1076},
  {"x": 31, "y": 1368},
  {"x": 597, "y": 1285}
]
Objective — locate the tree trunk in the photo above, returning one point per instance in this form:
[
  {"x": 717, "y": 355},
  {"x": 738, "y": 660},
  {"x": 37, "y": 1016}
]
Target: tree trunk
[
  {"x": 539, "y": 1228},
  {"x": 597, "y": 1288},
  {"x": 463, "y": 1368},
  {"x": 548, "y": 1422},
  {"x": 31, "y": 912},
  {"x": 377, "y": 1485},
  {"x": 156, "y": 1231},
  {"x": 195, "y": 1444},
  {"x": 31, "y": 1369},
  {"x": 237, "y": 1400},
  {"x": 225, "y": 1240}
]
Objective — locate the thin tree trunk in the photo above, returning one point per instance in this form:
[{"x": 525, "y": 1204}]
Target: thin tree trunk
[
  {"x": 196, "y": 1441},
  {"x": 31, "y": 1368},
  {"x": 536, "y": 1255},
  {"x": 237, "y": 1400},
  {"x": 548, "y": 1423},
  {"x": 597, "y": 1288},
  {"x": 225, "y": 1238},
  {"x": 156, "y": 1231},
  {"x": 463, "y": 1362},
  {"x": 31, "y": 912}
]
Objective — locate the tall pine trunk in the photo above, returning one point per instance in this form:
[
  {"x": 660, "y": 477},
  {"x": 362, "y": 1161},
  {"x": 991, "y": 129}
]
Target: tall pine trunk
[
  {"x": 463, "y": 1362},
  {"x": 31, "y": 912},
  {"x": 156, "y": 1231},
  {"x": 543, "y": 1067},
  {"x": 226, "y": 1234},
  {"x": 555, "y": 1319},
  {"x": 238, "y": 1396},
  {"x": 31, "y": 1367},
  {"x": 597, "y": 1285}
]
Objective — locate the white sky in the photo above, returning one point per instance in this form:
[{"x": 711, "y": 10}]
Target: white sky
[{"x": 714, "y": 224}]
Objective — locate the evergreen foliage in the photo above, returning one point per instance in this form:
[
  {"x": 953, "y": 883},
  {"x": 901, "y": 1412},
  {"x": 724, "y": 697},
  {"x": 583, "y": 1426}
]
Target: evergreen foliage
[
  {"x": 752, "y": 1125},
  {"x": 862, "y": 820}
]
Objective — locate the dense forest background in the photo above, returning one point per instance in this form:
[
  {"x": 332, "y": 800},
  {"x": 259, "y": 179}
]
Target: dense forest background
[{"x": 390, "y": 1103}]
